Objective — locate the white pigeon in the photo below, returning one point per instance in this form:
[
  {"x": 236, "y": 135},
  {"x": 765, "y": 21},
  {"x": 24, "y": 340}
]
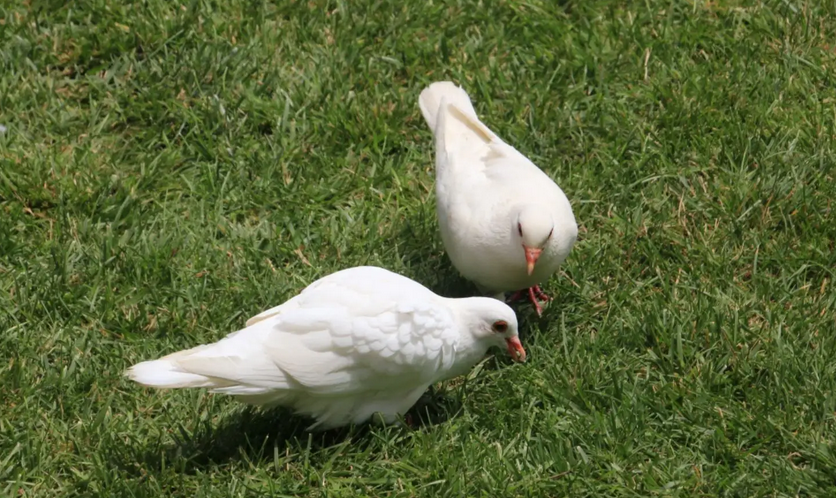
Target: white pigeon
[
  {"x": 505, "y": 224},
  {"x": 354, "y": 343}
]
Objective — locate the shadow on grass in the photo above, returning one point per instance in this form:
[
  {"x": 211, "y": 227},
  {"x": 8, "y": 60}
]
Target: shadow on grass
[{"x": 254, "y": 435}]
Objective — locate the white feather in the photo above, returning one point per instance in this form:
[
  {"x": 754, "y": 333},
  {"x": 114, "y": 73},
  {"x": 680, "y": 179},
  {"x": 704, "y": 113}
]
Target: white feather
[
  {"x": 356, "y": 342},
  {"x": 482, "y": 186}
]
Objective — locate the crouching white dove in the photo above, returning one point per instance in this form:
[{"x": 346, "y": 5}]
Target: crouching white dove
[
  {"x": 505, "y": 224},
  {"x": 354, "y": 343}
]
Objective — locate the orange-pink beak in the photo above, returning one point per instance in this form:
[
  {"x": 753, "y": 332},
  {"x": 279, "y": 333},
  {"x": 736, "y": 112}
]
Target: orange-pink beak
[
  {"x": 515, "y": 349},
  {"x": 531, "y": 255}
]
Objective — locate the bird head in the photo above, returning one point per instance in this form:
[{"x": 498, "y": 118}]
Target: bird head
[
  {"x": 495, "y": 324},
  {"x": 533, "y": 228}
]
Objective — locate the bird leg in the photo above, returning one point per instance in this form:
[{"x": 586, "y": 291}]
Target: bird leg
[
  {"x": 542, "y": 296},
  {"x": 534, "y": 293}
]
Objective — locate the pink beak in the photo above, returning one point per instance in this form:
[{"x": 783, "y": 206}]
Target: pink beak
[
  {"x": 531, "y": 255},
  {"x": 515, "y": 349}
]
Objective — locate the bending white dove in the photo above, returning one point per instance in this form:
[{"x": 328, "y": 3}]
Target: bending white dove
[
  {"x": 354, "y": 343},
  {"x": 505, "y": 224}
]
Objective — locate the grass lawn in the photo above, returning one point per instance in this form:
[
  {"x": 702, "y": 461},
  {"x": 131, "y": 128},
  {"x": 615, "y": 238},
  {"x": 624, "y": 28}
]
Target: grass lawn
[{"x": 168, "y": 170}]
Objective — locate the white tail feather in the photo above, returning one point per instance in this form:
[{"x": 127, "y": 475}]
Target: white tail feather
[
  {"x": 431, "y": 99},
  {"x": 234, "y": 365},
  {"x": 461, "y": 139},
  {"x": 166, "y": 374}
]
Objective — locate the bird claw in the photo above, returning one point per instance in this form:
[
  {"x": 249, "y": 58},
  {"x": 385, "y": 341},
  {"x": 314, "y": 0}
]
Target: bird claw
[
  {"x": 542, "y": 296},
  {"x": 533, "y": 293}
]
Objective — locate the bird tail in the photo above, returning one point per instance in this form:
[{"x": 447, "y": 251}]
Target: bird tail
[
  {"x": 166, "y": 373},
  {"x": 450, "y": 114},
  {"x": 440, "y": 92}
]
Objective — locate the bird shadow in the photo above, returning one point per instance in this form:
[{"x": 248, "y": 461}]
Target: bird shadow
[{"x": 254, "y": 435}]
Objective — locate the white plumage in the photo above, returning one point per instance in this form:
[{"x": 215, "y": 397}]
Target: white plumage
[
  {"x": 505, "y": 224},
  {"x": 354, "y": 343}
]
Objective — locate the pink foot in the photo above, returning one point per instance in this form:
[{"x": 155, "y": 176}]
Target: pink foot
[
  {"x": 534, "y": 293},
  {"x": 542, "y": 296}
]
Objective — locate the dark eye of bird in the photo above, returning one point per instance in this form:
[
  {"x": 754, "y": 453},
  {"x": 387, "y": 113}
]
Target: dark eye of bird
[
  {"x": 519, "y": 229},
  {"x": 550, "y": 232},
  {"x": 500, "y": 326}
]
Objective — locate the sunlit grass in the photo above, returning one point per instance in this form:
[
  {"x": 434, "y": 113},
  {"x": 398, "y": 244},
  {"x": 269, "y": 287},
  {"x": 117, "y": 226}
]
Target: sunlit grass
[{"x": 169, "y": 170}]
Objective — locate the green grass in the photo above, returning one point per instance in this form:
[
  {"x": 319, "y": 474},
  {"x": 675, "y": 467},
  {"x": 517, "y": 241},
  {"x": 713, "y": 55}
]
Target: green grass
[{"x": 170, "y": 170}]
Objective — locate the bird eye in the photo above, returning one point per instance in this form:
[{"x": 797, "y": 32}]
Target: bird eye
[
  {"x": 519, "y": 228},
  {"x": 500, "y": 326},
  {"x": 551, "y": 232}
]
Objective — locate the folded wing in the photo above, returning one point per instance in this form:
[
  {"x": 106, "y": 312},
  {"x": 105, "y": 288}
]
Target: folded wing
[{"x": 352, "y": 332}]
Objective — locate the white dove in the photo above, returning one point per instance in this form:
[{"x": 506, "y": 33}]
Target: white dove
[
  {"x": 505, "y": 224},
  {"x": 354, "y": 343}
]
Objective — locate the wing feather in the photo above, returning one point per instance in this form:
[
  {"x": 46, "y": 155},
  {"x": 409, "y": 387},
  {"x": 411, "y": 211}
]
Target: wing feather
[{"x": 358, "y": 330}]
